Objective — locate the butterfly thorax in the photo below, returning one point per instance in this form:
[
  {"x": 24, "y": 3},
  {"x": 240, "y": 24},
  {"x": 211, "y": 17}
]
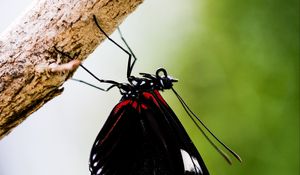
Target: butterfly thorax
[{"x": 146, "y": 83}]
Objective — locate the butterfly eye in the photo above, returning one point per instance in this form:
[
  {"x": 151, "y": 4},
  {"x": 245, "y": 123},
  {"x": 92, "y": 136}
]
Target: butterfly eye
[{"x": 161, "y": 73}]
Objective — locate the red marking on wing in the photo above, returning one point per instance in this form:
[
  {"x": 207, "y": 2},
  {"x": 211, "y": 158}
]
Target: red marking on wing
[
  {"x": 121, "y": 105},
  {"x": 160, "y": 97},
  {"x": 116, "y": 109},
  {"x": 134, "y": 104},
  {"x": 150, "y": 96},
  {"x": 154, "y": 96},
  {"x": 144, "y": 106},
  {"x": 113, "y": 126}
]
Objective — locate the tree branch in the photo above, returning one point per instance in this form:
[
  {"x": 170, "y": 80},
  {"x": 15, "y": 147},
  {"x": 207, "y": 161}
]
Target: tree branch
[{"x": 31, "y": 70}]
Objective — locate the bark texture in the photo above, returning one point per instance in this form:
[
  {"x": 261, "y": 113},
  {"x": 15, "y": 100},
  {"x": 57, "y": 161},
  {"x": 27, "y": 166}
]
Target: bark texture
[{"x": 31, "y": 70}]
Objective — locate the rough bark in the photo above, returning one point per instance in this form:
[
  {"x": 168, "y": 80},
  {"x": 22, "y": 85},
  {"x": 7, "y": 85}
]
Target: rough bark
[{"x": 31, "y": 70}]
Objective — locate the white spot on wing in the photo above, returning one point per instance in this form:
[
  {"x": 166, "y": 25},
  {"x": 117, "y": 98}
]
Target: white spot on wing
[
  {"x": 95, "y": 164},
  {"x": 190, "y": 163},
  {"x": 99, "y": 171},
  {"x": 94, "y": 156},
  {"x": 97, "y": 143}
]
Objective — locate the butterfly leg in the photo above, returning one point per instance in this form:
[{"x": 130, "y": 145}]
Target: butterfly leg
[
  {"x": 113, "y": 83},
  {"x": 130, "y": 53}
]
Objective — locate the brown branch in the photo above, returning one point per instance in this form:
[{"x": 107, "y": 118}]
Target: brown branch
[{"x": 31, "y": 70}]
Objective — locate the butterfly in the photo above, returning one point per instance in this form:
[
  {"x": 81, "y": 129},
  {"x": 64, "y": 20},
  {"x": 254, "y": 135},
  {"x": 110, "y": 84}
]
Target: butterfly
[{"x": 142, "y": 135}]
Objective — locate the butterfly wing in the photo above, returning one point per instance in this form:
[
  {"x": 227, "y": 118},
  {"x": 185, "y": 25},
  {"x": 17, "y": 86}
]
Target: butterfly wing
[
  {"x": 127, "y": 145},
  {"x": 113, "y": 148},
  {"x": 187, "y": 159},
  {"x": 144, "y": 137}
]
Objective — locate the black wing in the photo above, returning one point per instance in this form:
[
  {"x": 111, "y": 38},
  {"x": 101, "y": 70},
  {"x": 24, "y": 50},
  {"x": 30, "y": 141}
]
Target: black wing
[
  {"x": 114, "y": 148},
  {"x": 144, "y": 137},
  {"x": 186, "y": 150}
]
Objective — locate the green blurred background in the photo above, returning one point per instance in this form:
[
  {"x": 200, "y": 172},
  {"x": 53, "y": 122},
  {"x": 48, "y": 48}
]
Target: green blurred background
[{"x": 238, "y": 68}]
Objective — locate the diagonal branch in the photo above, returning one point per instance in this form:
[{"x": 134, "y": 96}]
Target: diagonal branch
[{"x": 31, "y": 70}]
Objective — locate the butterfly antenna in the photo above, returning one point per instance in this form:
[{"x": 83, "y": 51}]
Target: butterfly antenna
[
  {"x": 223, "y": 154},
  {"x": 191, "y": 114}
]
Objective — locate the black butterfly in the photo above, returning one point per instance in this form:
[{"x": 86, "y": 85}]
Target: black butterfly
[{"x": 142, "y": 135}]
